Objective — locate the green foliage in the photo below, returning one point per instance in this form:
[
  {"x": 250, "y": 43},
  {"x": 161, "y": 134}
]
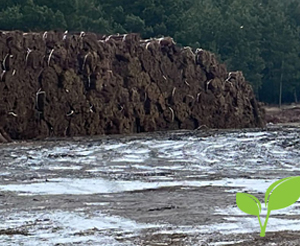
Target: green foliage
[
  {"x": 134, "y": 23},
  {"x": 249, "y": 204},
  {"x": 259, "y": 37},
  {"x": 11, "y": 18},
  {"x": 283, "y": 193}
]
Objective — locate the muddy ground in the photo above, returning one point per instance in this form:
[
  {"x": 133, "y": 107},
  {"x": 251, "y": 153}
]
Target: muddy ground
[
  {"x": 287, "y": 114},
  {"x": 166, "y": 188}
]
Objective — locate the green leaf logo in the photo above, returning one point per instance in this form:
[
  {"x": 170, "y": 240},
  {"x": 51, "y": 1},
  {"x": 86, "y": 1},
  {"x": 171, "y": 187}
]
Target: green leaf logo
[
  {"x": 249, "y": 204},
  {"x": 283, "y": 193},
  {"x": 280, "y": 194}
]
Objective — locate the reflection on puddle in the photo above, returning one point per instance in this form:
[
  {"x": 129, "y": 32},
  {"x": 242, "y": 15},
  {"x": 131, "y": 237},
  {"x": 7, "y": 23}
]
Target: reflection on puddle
[{"x": 93, "y": 186}]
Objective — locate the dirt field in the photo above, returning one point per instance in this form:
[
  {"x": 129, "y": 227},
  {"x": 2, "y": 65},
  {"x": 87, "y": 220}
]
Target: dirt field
[
  {"x": 287, "y": 114},
  {"x": 167, "y": 188}
]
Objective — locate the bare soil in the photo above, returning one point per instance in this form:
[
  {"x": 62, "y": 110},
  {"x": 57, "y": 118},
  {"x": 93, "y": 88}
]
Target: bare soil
[{"x": 285, "y": 115}]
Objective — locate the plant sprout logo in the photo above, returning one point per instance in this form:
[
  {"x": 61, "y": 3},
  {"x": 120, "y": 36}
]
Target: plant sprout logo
[{"x": 280, "y": 194}]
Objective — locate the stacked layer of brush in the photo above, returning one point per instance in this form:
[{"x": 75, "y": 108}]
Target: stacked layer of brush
[{"x": 63, "y": 84}]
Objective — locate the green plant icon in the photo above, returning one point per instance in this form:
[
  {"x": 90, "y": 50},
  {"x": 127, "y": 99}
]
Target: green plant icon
[{"x": 280, "y": 194}]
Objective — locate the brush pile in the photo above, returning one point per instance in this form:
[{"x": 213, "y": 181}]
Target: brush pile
[{"x": 61, "y": 84}]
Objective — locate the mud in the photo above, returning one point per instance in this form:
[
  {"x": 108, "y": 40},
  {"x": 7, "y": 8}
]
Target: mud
[
  {"x": 163, "y": 188},
  {"x": 287, "y": 114},
  {"x": 56, "y": 84}
]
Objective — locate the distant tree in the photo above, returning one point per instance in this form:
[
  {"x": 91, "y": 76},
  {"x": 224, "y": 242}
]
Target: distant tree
[
  {"x": 11, "y": 18},
  {"x": 259, "y": 37}
]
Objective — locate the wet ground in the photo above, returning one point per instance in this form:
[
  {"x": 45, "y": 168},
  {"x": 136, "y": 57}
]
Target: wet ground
[
  {"x": 165, "y": 188},
  {"x": 286, "y": 114}
]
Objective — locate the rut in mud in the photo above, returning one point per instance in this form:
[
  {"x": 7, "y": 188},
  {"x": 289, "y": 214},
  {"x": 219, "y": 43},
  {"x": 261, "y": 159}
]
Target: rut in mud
[{"x": 56, "y": 84}]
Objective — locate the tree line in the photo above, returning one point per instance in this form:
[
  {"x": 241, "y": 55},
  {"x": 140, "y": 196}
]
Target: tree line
[{"x": 259, "y": 37}]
